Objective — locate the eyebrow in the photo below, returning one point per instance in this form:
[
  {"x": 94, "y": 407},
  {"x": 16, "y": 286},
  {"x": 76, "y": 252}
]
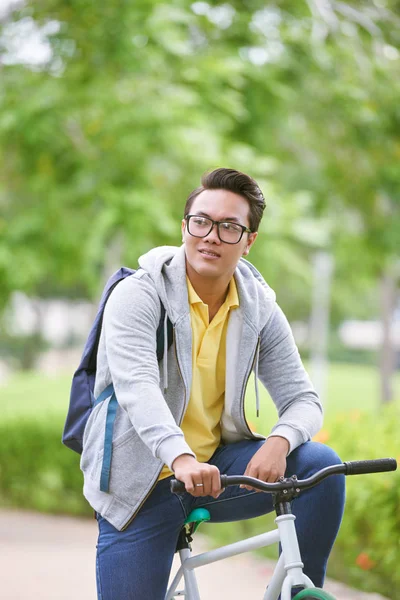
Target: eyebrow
[{"x": 204, "y": 214}]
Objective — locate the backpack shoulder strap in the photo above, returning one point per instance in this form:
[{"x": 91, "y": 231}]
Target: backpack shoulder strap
[
  {"x": 114, "y": 280},
  {"x": 111, "y": 284},
  {"x": 112, "y": 406},
  {"x": 160, "y": 334}
]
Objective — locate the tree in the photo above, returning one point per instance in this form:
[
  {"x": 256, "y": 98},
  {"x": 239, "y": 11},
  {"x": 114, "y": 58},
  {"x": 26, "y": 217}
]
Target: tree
[{"x": 135, "y": 100}]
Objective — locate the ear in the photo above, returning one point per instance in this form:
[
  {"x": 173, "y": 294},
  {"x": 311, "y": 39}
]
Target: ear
[
  {"x": 250, "y": 241},
  {"x": 183, "y": 229}
]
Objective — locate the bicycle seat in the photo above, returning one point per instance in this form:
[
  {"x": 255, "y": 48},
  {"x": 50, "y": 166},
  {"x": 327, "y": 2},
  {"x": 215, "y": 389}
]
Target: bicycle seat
[
  {"x": 193, "y": 520},
  {"x": 196, "y": 517}
]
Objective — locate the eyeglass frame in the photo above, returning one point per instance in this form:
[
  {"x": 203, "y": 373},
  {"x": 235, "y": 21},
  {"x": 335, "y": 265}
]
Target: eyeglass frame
[{"x": 217, "y": 223}]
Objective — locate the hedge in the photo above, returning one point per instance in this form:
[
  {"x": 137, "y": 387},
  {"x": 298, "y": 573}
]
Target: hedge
[
  {"x": 367, "y": 551},
  {"x": 38, "y": 473}
]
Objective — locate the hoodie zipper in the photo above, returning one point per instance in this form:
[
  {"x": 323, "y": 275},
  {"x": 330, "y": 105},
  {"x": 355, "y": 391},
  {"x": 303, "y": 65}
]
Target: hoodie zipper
[
  {"x": 182, "y": 414},
  {"x": 180, "y": 421},
  {"x": 245, "y": 386},
  {"x": 181, "y": 376},
  {"x": 153, "y": 485}
]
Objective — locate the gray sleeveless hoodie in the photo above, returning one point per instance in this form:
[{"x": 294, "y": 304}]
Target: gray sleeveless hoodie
[{"x": 152, "y": 397}]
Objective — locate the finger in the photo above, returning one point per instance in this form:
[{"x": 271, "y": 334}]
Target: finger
[
  {"x": 246, "y": 474},
  {"x": 251, "y": 471},
  {"x": 214, "y": 481},
  {"x": 189, "y": 484},
  {"x": 250, "y": 487},
  {"x": 275, "y": 474},
  {"x": 207, "y": 484},
  {"x": 263, "y": 473},
  {"x": 216, "y": 489},
  {"x": 270, "y": 475},
  {"x": 198, "y": 484}
]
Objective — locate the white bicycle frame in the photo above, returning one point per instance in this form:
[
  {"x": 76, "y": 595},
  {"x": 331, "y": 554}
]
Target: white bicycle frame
[{"x": 287, "y": 573}]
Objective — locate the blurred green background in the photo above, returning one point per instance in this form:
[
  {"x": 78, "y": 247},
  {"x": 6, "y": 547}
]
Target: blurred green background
[{"x": 109, "y": 114}]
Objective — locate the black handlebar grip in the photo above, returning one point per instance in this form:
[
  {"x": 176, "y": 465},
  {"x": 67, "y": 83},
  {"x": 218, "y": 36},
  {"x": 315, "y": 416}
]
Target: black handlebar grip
[
  {"x": 224, "y": 481},
  {"x": 177, "y": 487},
  {"x": 359, "y": 467}
]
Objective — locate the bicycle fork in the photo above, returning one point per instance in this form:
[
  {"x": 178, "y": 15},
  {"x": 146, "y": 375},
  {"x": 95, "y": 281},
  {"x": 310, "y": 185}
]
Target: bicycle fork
[{"x": 289, "y": 570}]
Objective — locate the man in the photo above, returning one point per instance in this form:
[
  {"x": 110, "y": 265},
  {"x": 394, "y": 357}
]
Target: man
[{"x": 185, "y": 416}]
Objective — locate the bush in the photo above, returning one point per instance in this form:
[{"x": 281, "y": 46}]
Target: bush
[
  {"x": 21, "y": 351},
  {"x": 36, "y": 471},
  {"x": 367, "y": 550}
]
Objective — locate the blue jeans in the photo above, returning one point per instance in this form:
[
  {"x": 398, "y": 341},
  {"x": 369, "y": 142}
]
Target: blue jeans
[{"x": 128, "y": 560}]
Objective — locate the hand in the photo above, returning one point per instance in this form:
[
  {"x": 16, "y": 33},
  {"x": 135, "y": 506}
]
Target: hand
[
  {"x": 193, "y": 473},
  {"x": 269, "y": 463}
]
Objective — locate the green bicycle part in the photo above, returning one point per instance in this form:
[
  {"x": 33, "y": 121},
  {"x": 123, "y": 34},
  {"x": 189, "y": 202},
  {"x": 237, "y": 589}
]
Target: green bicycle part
[
  {"x": 310, "y": 593},
  {"x": 197, "y": 516}
]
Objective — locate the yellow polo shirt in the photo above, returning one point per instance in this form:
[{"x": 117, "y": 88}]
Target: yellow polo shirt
[{"x": 201, "y": 423}]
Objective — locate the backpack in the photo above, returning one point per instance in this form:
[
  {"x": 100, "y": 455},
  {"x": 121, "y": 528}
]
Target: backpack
[{"x": 82, "y": 400}]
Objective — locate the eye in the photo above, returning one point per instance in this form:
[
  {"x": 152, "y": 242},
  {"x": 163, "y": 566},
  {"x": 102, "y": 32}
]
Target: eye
[
  {"x": 230, "y": 227},
  {"x": 200, "y": 221}
]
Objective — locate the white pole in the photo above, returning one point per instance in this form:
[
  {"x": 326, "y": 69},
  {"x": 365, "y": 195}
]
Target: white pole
[{"x": 319, "y": 322}]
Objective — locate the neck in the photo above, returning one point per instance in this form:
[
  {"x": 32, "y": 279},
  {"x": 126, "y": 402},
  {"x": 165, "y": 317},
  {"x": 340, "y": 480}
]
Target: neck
[{"x": 212, "y": 291}]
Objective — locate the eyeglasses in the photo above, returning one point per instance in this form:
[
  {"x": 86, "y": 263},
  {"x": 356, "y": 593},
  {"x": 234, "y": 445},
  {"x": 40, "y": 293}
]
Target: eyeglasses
[{"x": 228, "y": 232}]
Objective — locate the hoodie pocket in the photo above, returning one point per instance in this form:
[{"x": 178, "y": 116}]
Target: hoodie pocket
[
  {"x": 117, "y": 444},
  {"x": 121, "y": 439}
]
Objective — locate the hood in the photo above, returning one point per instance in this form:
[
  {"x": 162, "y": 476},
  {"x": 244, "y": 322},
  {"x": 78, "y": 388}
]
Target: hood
[{"x": 166, "y": 266}]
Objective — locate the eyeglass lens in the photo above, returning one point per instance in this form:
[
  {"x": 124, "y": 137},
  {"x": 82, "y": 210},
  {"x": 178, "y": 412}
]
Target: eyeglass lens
[{"x": 201, "y": 226}]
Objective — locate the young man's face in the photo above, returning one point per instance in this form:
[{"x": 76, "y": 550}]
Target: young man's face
[{"x": 208, "y": 256}]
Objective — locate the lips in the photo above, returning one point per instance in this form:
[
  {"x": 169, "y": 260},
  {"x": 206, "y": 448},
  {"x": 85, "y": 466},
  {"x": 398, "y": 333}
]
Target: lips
[{"x": 209, "y": 253}]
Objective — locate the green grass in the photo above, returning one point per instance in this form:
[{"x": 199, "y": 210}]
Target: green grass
[
  {"x": 355, "y": 387},
  {"x": 34, "y": 396},
  {"x": 31, "y": 397},
  {"x": 350, "y": 387}
]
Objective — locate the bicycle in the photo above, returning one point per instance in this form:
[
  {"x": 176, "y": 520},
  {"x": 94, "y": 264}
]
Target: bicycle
[{"x": 288, "y": 572}]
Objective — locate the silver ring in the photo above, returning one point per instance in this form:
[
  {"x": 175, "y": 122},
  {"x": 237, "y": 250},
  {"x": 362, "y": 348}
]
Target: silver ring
[{"x": 199, "y": 484}]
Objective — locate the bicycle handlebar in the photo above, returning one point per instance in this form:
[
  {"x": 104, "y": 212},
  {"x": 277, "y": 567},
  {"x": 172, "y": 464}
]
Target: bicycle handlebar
[
  {"x": 357, "y": 467},
  {"x": 379, "y": 465}
]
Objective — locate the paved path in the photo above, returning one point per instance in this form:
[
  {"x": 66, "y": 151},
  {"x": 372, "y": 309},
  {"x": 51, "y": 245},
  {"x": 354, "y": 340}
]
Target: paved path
[{"x": 52, "y": 558}]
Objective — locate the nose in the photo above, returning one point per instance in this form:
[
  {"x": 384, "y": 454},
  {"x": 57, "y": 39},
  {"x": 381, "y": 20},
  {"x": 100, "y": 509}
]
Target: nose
[{"x": 212, "y": 237}]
